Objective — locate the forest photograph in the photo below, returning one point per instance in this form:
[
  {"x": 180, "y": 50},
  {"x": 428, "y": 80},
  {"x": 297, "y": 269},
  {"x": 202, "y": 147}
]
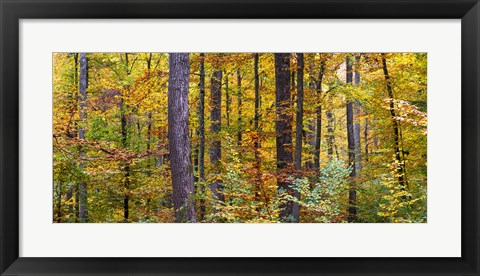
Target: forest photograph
[{"x": 239, "y": 137}]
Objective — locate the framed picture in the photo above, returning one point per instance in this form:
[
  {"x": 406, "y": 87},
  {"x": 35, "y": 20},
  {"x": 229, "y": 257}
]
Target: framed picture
[{"x": 239, "y": 137}]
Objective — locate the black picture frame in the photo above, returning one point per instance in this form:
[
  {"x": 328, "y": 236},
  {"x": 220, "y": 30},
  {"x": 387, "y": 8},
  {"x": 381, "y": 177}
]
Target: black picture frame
[{"x": 12, "y": 11}]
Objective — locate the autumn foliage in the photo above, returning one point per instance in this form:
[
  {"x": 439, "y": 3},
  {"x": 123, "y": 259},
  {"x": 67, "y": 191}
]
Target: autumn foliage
[{"x": 313, "y": 137}]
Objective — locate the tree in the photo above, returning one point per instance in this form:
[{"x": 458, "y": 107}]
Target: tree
[
  {"x": 299, "y": 114},
  {"x": 318, "y": 110},
  {"x": 330, "y": 134},
  {"x": 283, "y": 128},
  {"x": 365, "y": 138},
  {"x": 227, "y": 100},
  {"x": 399, "y": 163},
  {"x": 299, "y": 129},
  {"x": 73, "y": 106},
  {"x": 215, "y": 127},
  {"x": 83, "y": 214},
  {"x": 179, "y": 141},
  {"x": 201, "y": 133},
  {"x": 239, "y": 108},
  {"x": 123, "y": 118},
  {"x": 256, "y": 120},
  {"x": 311, "y": 123},
  {"x": 149, "y": 127},
  {"x": 357, "y": 109},
  {"x": 352, "y": 194}
]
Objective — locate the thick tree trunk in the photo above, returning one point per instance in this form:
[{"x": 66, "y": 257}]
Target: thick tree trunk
[
  {"x": 352, "y": 195},
  {"x": 215, "y": 127},
  {"x": 201, "y": 130},
  {"x": 299, "y": 130},
  {"x": 178, "y": 140},
  {"x": 283, "y": 128},
  {"x": 400, "y": 171},
  {"x": 82, "y": 192},
  {"x": 239, "y": 108}
]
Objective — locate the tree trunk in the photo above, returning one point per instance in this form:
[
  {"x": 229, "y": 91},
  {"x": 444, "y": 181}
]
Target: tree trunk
[
  {"x": 201, "y": 150},
  {"x": 58, "y": 208},
  {"x": 283, "y": 128},
  {"x": 366, "y": 140},
  {"x": 74, "y": 102},
  {"x": 352, "y": 195},
  {"x": 310, "y": 140},
  {"x": 82, "y": 197},
  {"x": 178, "y": 139},
  {"x": 195, "y": 162},
  {"x": 357, "y": 110},
  {"x": 227, "y": 100},
  {"x": 256, "y": 143},
  {"x": 239, "y": 108},
  {"x": 126, "y": 170},
  {"x": 400, "y": 171},
  {"x": 75, "y": 79},
  {"x": 126, "y": 181},
  {"x": 318, "y": 111},
  {"x": 215, "y": 127},
  {"x": 311, "y": 124},
  {"x": 299, "y": 130},
  {"x": 330, "y": 136},
  {"x": 149, "y": 127},
  {"x": 299, "y": 115},
  {"x": 292, "y": 87}
]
